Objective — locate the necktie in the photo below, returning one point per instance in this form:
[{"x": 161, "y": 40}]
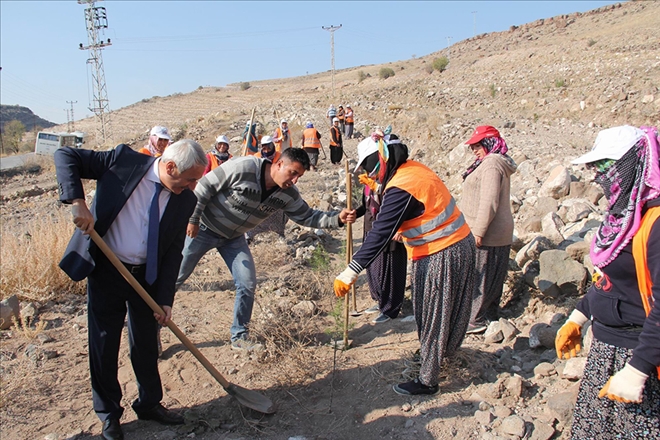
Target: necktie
[{"x": 152, "y": 237}]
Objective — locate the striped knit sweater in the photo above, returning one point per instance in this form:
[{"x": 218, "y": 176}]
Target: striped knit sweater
[{"x": 229, "y": 201}]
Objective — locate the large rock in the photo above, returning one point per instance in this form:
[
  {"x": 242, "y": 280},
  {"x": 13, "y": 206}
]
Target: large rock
[
  {"x": 545, "y": 205},
  {"x": 574, "y": 368},
  {"x": 558, "y": 183},
  {"x": 551, "y": 225},
  {"x": 578, "y": 250},
  {"x": 9, "y": 308},
  {"x": 533, "y": 250},
  {"x": 560, "y": 274},
  {"x": 561, "y": 405}
]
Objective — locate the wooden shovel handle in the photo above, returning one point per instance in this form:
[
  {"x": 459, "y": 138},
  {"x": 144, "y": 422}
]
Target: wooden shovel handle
[{"x": 156, "y": 308}]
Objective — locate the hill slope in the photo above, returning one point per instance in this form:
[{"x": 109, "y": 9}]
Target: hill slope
[{"x": 23, "y": 114}]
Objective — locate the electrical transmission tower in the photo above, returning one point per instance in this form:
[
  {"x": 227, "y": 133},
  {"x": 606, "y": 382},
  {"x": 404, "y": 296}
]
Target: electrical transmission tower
[
  {"x": 96, "y": 19},
  {"x": 474, "y": 23},
  {"x": 71, "y": 125},
  {"x": 448, "y": 47},
  {"x": 332, "y": 30}
]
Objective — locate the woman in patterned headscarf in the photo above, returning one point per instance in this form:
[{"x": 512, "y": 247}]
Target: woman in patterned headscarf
[
  {"x": 619, "y": 394},
  {"x": 485, "y": 204},
  {"x": 417, "y": 204}
]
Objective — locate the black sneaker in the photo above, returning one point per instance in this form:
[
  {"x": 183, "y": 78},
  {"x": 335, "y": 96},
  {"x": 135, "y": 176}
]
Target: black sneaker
[{"x": 415, "y": 388}]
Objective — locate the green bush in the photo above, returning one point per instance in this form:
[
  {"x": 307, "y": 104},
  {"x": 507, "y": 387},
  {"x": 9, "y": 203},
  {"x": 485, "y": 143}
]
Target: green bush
[
  {"x": 493, "y": 90},
  {"x": 385, "y": 72},
  {"x": 245, "y": 85},
  {"x": 560, "y": 83},
  {"x": 361, "y": 76},
  {"x": 440, "y": 64}
]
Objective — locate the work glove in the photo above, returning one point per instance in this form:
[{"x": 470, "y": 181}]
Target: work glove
[
  {"x": 569, "y": 336},
  {"x": 364, "y": 179},
  {"x": 625, "y": 386},
  {"x": 344, "y": 281}
]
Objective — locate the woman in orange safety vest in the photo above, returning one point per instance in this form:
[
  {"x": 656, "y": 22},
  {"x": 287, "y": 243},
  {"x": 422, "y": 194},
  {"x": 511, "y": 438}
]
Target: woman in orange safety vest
[
  {"x": 311, "y": 142},
  {"x": 282, "y": 137},
  {"x": 159, "y": 139},
  {"x": 349, "y": 121},
  {"x": 416, "y": 204},
  {"x": 219, "y": 154}
]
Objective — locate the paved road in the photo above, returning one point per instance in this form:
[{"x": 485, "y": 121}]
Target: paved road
[{"x": 18, "y": 160}]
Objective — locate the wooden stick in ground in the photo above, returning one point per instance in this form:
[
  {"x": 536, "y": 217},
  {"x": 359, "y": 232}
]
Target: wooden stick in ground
[
  {"x": 349, "y": 249},
  {"x": 246, "y": 397},
  {"x": 248, "y": 138}
]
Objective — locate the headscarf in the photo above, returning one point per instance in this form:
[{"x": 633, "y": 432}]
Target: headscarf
[
  {"x": 392, "y": 153},
  {"x": 628, "y": 184},
  {"x": 153, "y": 147},
  {"x": 493, "y": 144}
]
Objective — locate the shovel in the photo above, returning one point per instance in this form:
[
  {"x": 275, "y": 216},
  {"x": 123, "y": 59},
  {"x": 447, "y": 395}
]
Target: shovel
[{"x": 245, "y": 397}]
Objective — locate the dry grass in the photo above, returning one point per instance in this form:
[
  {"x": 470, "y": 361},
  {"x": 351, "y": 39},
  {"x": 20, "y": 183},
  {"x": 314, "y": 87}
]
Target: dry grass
[{"x": 30, "y": 257}]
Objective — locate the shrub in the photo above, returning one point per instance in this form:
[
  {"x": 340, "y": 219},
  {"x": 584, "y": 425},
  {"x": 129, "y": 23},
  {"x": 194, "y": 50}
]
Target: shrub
[
  {"x": 244, "y": 85},
  {"x": 591, "y": 42},
  {"x": 493, "y": 90},
  {"x": 361, "y": 76},
  {"x": 560, "y": 83},
  {"x": 440, "y": 64},
  {"x": 385, "y": 72}
]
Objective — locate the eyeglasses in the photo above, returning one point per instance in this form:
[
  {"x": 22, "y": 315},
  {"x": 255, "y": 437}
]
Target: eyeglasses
[{"x": 601, "y": 165}]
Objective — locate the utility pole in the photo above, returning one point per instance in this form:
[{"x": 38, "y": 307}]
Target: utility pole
[
  {"x": 71, "y": 126},
  {"x": 332, "y": 30},
  {"x": 95, "y": 20},
  {"x": 68, "y": 120},
  {"x": 448, "y": 47},
  {"x": 474, "y": 23}
]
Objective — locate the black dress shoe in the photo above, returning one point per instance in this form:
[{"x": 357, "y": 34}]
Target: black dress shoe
[
  {"x": 112, "y": 430},
  {"x": 161, "y": 415}
]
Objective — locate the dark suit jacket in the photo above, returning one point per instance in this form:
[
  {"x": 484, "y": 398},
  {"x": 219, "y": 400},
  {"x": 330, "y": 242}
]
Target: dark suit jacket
[{"x": 118, "y": 173}]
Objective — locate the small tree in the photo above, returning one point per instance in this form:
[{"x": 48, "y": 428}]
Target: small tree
[
  {"x": 385, "y": 72},
  {"x": 361, "y": 76},
  {"x": 440, "y": 64},
  {"x": 13, "y": 133},
  {"x": 245, "y": 85}
]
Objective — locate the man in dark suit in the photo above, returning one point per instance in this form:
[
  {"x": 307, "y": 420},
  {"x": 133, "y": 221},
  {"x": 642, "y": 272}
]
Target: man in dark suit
[{"x": 131, "y": 188}]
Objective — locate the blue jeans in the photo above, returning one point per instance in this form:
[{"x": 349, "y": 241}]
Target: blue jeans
[{"x": 238, "y": 258}]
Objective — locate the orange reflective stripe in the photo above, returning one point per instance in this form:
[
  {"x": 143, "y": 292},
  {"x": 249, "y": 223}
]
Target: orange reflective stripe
[
  {"x": 442, "y": 223},
  {"x": 333, "y": 143},
  {"x": 639, "y": 248},
  {"x": 145, "y": 150},
  {"x": 311, "y": 140}
]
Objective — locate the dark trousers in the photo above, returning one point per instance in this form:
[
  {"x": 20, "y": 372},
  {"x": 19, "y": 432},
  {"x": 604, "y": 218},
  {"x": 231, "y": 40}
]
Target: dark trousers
[
  {"x": 336, "y": 154},
  {"x": 349, "y": 131},
  {"x": 386, "y": 276},
  {"x": 109, "y": 296}
]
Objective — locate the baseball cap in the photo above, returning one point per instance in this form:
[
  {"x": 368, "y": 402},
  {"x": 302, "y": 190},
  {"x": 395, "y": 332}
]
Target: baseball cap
[
  {"x": 611, "y": 143},
  {"x": 365, "y": 148},
  {"x": 222, "y": 138},
  {"x": 161, "y": 132},
  {"x": 481, "y": 132}
]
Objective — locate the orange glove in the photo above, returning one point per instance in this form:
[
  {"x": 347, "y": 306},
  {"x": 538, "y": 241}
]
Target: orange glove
[
  {"x": 368, "y": 181},
  {"x": 344, "y": 281},
  {"x": 625, "y": 386},
  {"x": 569, "y": 336}
]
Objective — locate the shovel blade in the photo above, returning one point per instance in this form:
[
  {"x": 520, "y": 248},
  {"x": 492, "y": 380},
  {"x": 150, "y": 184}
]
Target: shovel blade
[{"x": 251, "y": 399}]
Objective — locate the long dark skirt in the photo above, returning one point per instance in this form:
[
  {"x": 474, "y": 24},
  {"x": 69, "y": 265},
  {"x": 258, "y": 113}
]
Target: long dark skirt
[
  {"x": 443, "y": 285},
  {"x": 275, "y": 223},
  {"x": 386, "y": 276},
  {"x": 313, "y": 154},
  {"x": 335, "y": 154},
  {"x": 602, "y": 418},
  {"x": 492, "y": 263}
]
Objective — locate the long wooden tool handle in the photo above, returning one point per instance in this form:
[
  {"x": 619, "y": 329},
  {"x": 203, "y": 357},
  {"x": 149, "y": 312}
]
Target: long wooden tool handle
[
  {"x": 156, "y": 308},
  {"x": 349, "y": 248},
  {"x": 248, "y": 138}
]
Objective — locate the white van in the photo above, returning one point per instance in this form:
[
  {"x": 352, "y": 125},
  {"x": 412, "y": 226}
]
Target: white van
[{"x": 47, "y": 143}]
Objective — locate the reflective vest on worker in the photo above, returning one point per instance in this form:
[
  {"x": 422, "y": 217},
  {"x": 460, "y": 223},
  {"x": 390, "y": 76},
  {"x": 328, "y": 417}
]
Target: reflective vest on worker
[
  {"x": 349, "y": 116},
  {"x": 215, "y": 161},
  {"x": 442, "y": 223},
  {"x": 310, "y": 138},
  {"x": 283, "y": 143}
]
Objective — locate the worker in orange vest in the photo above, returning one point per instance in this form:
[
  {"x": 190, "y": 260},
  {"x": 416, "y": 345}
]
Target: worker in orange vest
[
  {"x": 268, "y": 150},
  {"x": 349, "y": 121},
  {"x": 336, "y": 143},
  {"x": 219, "y": 154},
  {"x": 341, "y": 113},
  {"x": 311, "y": 142},
  {"x": 159, "y": 139},
  {"x": 282, "y": 137}
]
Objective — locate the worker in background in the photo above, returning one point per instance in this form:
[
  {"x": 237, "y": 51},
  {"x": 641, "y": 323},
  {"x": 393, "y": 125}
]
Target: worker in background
[
  {"x": 282, "y": 137},
  {"x": 219, "y": 154},
  {"x": 253, "y": 145},
  {"x": 159, "y": 139},
  {"x": 268, "y": 150},
  {"x": 336, "y": 143},
  {"x": 341, "y": 114},
  {"x": 348, "y": 122},
  {"x": 332, "y": 113},
  {"x": 311, "y": 143}
]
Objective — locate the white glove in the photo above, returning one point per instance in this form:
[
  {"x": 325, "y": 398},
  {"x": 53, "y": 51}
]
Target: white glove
[{"x": 625, "y": 386}]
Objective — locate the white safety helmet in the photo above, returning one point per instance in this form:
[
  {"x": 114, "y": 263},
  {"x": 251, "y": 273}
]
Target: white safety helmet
[
  {"x": 284, "y": 121},
  {"x": 266, "y": 140},
  {"x": 222, "y": 138}
]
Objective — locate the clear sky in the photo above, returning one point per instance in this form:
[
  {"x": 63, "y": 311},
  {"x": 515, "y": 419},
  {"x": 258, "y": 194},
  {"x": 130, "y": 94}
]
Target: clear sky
[{"x": 163, "y": 47}]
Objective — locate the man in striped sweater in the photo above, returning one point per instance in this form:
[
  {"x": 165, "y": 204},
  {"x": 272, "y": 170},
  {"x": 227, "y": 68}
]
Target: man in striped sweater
[{"x": 234, "y": 198}]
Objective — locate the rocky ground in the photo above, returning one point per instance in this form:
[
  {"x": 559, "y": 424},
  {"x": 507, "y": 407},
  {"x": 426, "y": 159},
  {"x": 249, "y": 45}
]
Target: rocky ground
[{"x": 549, "y": 86}]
